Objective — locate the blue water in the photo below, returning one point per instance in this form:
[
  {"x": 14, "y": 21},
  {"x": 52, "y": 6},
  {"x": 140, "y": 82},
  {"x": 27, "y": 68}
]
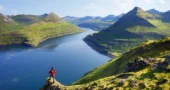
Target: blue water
[{"x": 26, "y": 68}]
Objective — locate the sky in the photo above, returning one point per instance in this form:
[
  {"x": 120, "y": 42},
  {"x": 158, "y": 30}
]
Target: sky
[{"x": 79, "y": 8}]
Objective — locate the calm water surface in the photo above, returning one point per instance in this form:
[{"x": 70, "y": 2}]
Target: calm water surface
[{"x": 26, "y": 68}]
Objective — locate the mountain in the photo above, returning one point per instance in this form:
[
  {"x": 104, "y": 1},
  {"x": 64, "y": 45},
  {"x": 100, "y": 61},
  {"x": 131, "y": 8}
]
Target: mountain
[
  {"x": 69, "y": 19},
  {"x": 109, "y": 18},
  {"x": 5, "y": 19},
  {"x": 52, "y": 17},
  {"x": 33, "y": 34},
  {"x": 136, "y": 17},
  {"x": 153, "y": 11},
  {"x": 129, "y": 31},
  {"x": 146, "y": 66},
  {"x": 27, "y": 19},
  {"x": 120, "y": 65},
  {"x": 7, "y": 24},
  {"x": 95, "y": 23},
  {"x": 166, "y": 16}
]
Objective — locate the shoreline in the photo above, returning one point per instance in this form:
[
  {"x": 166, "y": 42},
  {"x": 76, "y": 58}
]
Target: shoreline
[
  {"x": 97, "y": 48},
  {"x": 43, "y": 40}
]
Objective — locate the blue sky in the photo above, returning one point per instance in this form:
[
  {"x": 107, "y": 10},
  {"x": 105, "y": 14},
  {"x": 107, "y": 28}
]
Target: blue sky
[{"x": 79, "y": 7}]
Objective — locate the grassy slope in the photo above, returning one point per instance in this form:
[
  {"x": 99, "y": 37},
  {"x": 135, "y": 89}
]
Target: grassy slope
[
  {"x": 9, "y": 26},
  {"x": 27, "y": 19},
  {"x": 110, "y": 76},
  {"x": 126, "y": 34},
  {"x": 116, "y": 66},
  {"x": 51, "y": 26},
  {"x": 6, "y": 24},
  {"x": 36, "y": 33},
  {"x": 146, "y": 79}
]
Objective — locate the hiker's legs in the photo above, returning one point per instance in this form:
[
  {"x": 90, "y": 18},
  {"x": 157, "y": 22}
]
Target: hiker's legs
[{"x": 53, "y": 78}]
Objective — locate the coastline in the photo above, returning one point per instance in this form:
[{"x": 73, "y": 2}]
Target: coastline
[
  {"x": 41, "y": 41},
  {"x": 97, "y": 47}
]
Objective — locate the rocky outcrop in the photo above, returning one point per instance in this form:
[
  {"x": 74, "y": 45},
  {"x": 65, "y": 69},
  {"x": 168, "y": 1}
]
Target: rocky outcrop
[
  {"x": 140, "y": 63},
  {"x": 50, "y": 85},
  {"x": 164, "y": 65}
]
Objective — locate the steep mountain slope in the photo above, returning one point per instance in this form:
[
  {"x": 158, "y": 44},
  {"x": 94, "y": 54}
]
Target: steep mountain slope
[
  {"x": 145, "y": 67},
  {"x": 165, "y": 17},
  {"x": 28, "y": 19},
  {"x": 151, "y": 49},
  {"x": 153, "y": 11},
  {"x": 130, "y": 30},
  {"x": 7, "y": 24},
  {"x": 51, "y": 26}
]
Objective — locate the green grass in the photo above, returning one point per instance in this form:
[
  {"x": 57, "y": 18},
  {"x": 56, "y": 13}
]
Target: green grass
[
  {"x": 119, "y": 41},
  {"x": 43, "y": 28},
  {"x": 115, "y": 66},
  {"x": 4, "y": 27},
  {"x": 129, "y": 31},
  {"x": 36, "y": 33},
  {"x": 147, "y": 78},
  {"x": 27, "y": 19}
]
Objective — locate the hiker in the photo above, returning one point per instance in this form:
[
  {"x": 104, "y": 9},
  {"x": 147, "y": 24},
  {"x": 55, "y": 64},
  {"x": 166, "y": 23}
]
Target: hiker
[{"x": 52, "y": 73}]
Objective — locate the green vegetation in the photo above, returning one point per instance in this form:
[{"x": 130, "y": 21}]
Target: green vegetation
[
  {"x": 34, "y": 34},
  {"x": 27, "y": 19},
  {"x": 115, "y": 66},
  {"x": 150, "y": 72},
  {"x": 7, "y": 24},
  {"x": 129, "y": 31}
]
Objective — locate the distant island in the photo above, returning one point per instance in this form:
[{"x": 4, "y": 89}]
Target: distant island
[{"x": 33, "y": 29}]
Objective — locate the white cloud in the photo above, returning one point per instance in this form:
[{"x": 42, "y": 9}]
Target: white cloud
[
  {"x": 124, "y": 3},
  {"x": 149, "y": 1},
  {"x": 155, "y": 1},
  {"x": 1, "y": 7},
  {"x": 162, "y": 1},
  {"x": 91, "y": 6}
]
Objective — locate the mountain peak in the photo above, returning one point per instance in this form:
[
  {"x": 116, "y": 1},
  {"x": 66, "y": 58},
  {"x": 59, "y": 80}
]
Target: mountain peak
[
  {"x": 52, "y": 17},
  {"x": 153, "y": 11},
  {"x": 137, "y": 10},
  {"x": 136, "y": 17},
  {"x": 52, "y": 13}
]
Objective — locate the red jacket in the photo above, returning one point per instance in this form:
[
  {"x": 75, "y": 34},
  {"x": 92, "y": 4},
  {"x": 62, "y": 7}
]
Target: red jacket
[{"x": 52, "y": 72}]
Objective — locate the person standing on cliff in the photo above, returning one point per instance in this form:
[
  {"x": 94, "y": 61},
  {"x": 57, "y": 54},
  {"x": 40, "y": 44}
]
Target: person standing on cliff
[{"x": 52, "y": 73}]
